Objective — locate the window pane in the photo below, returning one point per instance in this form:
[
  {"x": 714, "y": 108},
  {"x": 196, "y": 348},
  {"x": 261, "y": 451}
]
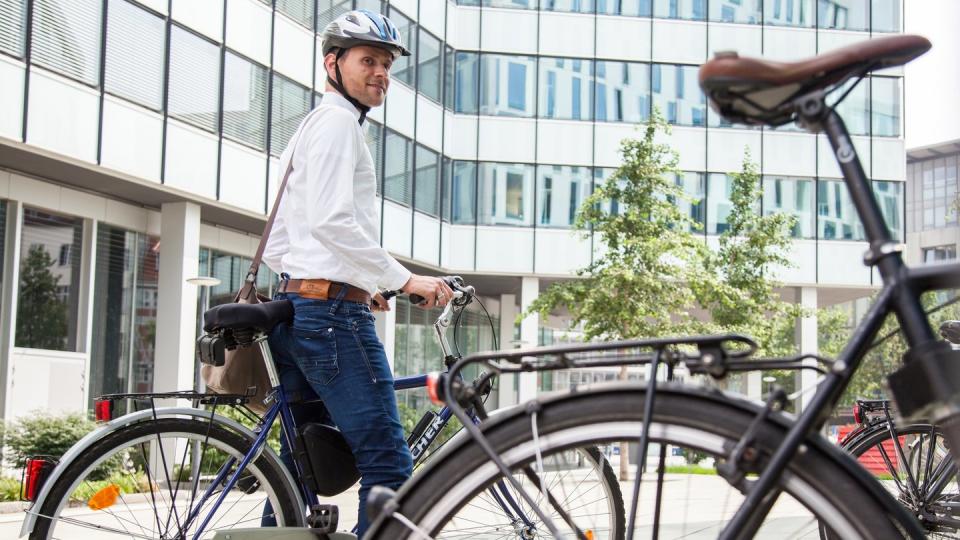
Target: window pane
[
  {"x": 328, "y": 10},
  {"x": 13, "y": 25},
  {"x": 125, "y": 298},
  {"x": 507, "y": 85},
  {"x": 789, "y": 13},
  {"x": 623, "y": 92},
  {"x": 560, "y": 192},
  {"x": 467, "y": 82},
  {"x": 403, "y": 68},
  {"x": 300, "y": 11},
  {"x": 398, "y": 168},
  {"x": 794, "y": 196},
  {"x": 374, "y": 140},
  {"x": 571, "y": 6},
  {"x": 635, "y": 8},
  {"x": 677, "y": 94},
  {"x": 842, "y": 14},
  {"x": 736, "y": 11},
  {"x": 692, "y": 184},
  {"x": 519, "y": 4},
  {"x": 428, "y": 80},
  {"x": 885, "y": 15},
  {"x": 720, "y": 188},
  {"x": 245, "y": 101},
  {"x": 66, "y": 37},
  {"x": 506, "y": 194},
  {"x": 886, "y": 106},
  {"x": 463, "y": 192},
  {"x": 836, "y": 216},
  {"x": 680, "y": 9},
  {"x": 890, "y": 198},
  {"x": 135, "y": 43},
  {"x": 49, "y": 289},
  {"x": 565, "y": 87},
  {"x": 291, "y": 102},
  {"x": 855, "y": 108},
  {"x": 194, "y": 79},
  {"x": 427, "y": 196}
]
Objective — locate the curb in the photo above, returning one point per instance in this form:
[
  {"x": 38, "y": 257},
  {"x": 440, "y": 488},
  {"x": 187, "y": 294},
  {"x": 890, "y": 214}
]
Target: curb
[{"x": 13, "y": 506}]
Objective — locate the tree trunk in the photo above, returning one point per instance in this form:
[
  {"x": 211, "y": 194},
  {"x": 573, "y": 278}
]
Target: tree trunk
[{"x": 624, "y": 446}]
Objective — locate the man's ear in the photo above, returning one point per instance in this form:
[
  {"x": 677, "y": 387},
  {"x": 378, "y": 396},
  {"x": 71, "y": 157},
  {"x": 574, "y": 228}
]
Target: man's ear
[{"x": 328, "y": 64}]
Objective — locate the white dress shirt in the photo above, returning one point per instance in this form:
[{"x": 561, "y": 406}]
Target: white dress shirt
[{"x": 326, "y": 226}]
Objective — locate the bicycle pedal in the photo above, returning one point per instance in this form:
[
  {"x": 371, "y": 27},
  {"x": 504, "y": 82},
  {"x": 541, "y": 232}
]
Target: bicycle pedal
[{"x": 324, "y": 518}]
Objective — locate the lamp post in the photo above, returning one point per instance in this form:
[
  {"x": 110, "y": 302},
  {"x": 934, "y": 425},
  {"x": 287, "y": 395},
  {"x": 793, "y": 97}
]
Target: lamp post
[
  {"x": 204, "y": 282},
  {"x": 769, "y": 379}
]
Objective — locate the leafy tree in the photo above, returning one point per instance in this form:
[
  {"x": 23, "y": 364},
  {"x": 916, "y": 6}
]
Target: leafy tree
[{"x": 41, "y": 316}]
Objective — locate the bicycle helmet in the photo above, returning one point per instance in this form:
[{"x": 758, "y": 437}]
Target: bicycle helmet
[{"x": 360, "y": 27}]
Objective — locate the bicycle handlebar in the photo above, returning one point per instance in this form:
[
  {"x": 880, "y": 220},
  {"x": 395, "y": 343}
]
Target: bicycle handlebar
[{"x": 455, "y": 283}]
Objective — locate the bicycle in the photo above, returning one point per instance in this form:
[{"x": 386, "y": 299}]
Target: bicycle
[
  {"x": 183, "y": 472},
  {"x": 773, "y": 475}
]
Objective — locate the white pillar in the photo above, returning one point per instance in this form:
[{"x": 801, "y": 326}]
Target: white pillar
[
  {"x": 8, "y": 309},
  {"x": 529, "y": 332},
  {"x": 755, "y": 385},
  {"x": 807, "y": 341},
  {"x": 387, "y": 330},
  {"x": 508, "y": 316},
  {"x": 177, "y": 300},
  {"x": 88, "y": 286}
]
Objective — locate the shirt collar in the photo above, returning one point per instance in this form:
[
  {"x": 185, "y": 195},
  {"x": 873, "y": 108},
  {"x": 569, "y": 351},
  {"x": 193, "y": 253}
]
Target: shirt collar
[{"x": 336, "y": 100}]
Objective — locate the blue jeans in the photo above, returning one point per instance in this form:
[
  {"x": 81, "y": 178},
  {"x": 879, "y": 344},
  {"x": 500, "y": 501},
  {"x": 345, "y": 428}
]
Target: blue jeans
[{"x": 331, "y": 352}]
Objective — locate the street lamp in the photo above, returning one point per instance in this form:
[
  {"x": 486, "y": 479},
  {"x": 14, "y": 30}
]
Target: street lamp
[{"x": 769, "y": 379}]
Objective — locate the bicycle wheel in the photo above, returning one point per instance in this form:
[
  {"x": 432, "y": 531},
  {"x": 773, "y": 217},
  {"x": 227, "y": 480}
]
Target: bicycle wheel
[
  {"x": 694, "y": 428},
  {"x": 142, "y": 480},
  {"x": 917, "y": 470}
]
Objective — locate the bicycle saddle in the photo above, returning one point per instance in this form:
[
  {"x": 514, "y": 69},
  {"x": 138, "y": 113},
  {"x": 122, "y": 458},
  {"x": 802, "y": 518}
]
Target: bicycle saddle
[
  {"x": 758, "y": 91},
  {"x": 235, "y": 316}
]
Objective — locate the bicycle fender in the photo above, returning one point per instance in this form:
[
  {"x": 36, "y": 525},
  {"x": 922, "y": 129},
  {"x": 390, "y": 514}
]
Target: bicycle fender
[{"x": 103, "y": 431}]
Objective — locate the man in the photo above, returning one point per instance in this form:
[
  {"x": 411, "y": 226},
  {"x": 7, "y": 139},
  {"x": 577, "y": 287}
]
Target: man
[{"x": 325, "y": 242}]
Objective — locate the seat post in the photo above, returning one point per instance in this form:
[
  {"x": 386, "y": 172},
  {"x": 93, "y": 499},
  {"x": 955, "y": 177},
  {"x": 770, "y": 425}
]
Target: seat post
[
  {"x": 268, "y": 359},
  {"x": 884, "y": 252}
]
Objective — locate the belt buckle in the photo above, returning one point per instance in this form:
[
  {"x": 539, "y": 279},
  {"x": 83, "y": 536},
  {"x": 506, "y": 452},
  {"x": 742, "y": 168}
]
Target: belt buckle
[{"x": 316, "y": 289}]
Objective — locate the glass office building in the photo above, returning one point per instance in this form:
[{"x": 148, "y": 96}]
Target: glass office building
[{"x": 139, "y": 144}]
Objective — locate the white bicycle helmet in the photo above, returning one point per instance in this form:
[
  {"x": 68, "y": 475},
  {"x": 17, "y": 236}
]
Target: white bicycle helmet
[{"x": 360, "y": 27}]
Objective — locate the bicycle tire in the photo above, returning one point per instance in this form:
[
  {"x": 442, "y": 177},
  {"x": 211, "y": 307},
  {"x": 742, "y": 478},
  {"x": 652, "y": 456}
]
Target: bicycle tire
[
  {"x": 820, "y": 477},
  {"x": 132, "y": 448},
  {"x": 873, "y": 448}
]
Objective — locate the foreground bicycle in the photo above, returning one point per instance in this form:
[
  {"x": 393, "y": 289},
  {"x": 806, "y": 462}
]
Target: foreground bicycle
[
  {"x": 771, "y": 474},
  {"x": 182, "y": 472}
]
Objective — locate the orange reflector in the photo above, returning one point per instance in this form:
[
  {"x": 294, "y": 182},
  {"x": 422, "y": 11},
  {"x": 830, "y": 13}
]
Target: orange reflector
[
  {"x": 433, "y": 380},
  {"x": 105, "y": 498},
  {"x": 589, "y": 534}
]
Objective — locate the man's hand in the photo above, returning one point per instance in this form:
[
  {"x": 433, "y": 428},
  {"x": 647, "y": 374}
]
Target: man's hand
[
  {"x": 435, "y": 291},
  {"x": 379, "y": 303}
]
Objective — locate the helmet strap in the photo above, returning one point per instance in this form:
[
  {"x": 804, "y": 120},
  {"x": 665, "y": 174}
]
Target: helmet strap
[{"x": 338, "y": 85}]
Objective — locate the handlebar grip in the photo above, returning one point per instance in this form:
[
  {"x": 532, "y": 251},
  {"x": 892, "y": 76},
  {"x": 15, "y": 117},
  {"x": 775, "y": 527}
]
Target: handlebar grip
[{"x": 417, "y": 299}]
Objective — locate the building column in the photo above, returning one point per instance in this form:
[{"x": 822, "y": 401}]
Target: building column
[
  {"x": 177, "y": 300},
  {"x": 807, "y": 342},
  {"x": 755, "y": 385},
  {"x": 508, "y": 316},
  {"x": 529, "y": 333},
  {"x": 386, "y": 324},
  {"x": 8, "y": 309}
]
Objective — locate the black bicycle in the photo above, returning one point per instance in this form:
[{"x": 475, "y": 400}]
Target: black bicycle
[{"x": 714, "y": 464}]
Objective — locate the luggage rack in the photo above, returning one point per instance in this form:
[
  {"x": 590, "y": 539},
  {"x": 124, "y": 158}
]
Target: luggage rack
[{"x": 104, "y": 405}]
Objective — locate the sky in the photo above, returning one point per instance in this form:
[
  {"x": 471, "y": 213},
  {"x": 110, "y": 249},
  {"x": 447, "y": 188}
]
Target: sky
[{"x": 932, "y": 82}]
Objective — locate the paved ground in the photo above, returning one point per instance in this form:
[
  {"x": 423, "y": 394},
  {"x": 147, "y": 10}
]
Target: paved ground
[{"x": 692, "y": 506}]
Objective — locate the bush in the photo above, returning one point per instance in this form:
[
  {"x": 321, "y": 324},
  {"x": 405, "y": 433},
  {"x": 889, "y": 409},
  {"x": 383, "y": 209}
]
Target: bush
[
  {"x": 42, "y": 434},
  {"x": 9, "y": 489}
]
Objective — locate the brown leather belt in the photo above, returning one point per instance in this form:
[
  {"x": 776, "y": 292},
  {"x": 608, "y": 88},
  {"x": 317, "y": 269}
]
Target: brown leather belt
[{"x": 323, "y": 289}]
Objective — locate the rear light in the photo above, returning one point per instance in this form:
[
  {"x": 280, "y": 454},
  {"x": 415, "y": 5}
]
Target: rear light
[
  {"x": 433, "y": 388},
  {"x": 35, "y": 473},
  {"x": 103, "y": 410},
  {"x": 857, "y": 413}
]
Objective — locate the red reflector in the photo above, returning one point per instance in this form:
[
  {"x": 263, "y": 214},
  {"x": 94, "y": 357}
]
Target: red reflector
[
  {"x": 433, "y": 380},
  {"x": 35, "y": 473},
  {"x": 857, "y": 413},
  {"x": 103, "y": 410}
]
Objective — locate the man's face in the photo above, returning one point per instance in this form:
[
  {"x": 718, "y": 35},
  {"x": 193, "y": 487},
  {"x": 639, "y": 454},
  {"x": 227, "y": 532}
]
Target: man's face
[{"x": 365, "y": 71}]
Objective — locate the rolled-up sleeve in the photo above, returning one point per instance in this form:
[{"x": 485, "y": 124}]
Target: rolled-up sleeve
[{"x": 332, "y": 157}]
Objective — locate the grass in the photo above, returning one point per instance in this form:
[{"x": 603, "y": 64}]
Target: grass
[{"x": 690, "y": 469}]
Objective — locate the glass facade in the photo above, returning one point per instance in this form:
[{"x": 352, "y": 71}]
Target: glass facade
[
  {"x": 245, "y": 88},
  {"x": 560, "y": 192},
  {"x": 125, "y": 299},
  {"x": 622, "y": 92},
  {"x": 134, "y": 55},
  {"x": 566, "y": 90},
  {"x": 933, "y": 184},
  {"x": 836, "y": 216},
  {"x": 194, "y": 79},
  {"x": 49, "y": 289},
  {"x": 793, "y": 196},
  {"x": 505, "y": 194}
]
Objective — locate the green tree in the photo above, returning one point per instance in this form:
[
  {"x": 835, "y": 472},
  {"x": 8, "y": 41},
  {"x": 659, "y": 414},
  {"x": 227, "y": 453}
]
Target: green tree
[
  {"x": 636, "y": 287},
  {"x": 41, "y": 316}
]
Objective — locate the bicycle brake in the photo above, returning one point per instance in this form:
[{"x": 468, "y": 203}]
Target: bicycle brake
[{"x": 743, "y": 457}]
